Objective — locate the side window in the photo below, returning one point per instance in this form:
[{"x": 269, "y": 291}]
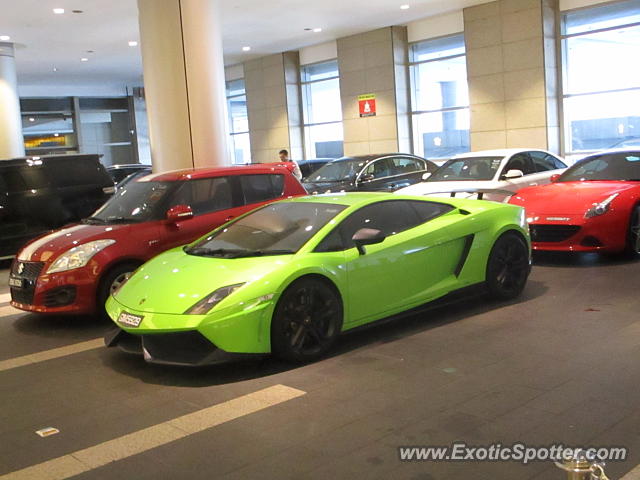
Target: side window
[
  {"x": 204, "y": 195},
  {"x": 559, "y": 163},
  {"x": 378, "y": 169},
  {"x": 73, "y": 172},
  {"x": 430, "y": 210},
  {"x": 519, "y": 161},
  {"x": 260, "y": 188},
  {"x": 331, "y": 243},
  {"x": 542, "y": 161},
  {"x": 404, "y": 165},
  {"x": 389, "y": 217}
]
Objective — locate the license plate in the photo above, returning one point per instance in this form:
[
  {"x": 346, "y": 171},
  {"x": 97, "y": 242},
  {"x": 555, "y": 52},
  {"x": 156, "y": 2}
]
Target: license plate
[
  {"x": 15, "y": 282},
  {"x": 129, "y": 320}
]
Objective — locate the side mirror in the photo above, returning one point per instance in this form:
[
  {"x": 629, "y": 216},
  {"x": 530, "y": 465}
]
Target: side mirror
[
  {"x": 367, "y": 236},
  {"x": 511, "y": 174},
  {"x": 426, "y": 176},
  {"x": 178, "y": 213},
  {"x": 554, "y": 178}
]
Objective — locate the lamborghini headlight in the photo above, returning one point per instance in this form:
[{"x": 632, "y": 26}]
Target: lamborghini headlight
[
  {"x": 211, "y": 300},
  {"x": 79, "y": 256},
  {"x": 600, "y": 208}
]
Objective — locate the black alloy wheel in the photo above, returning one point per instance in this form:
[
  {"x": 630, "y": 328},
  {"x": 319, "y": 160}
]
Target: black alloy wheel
[
  {"x": 633, "y": 235},
  {"x": 307, "y": 320},
  {"x": 111, "y": 282},
  {"x": 508, "y": 267}
]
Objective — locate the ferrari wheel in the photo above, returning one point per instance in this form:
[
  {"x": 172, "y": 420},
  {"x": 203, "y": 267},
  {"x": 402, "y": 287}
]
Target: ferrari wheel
[
  {"x": 508, "y": 267},
  {"x": 306, "y": 322},
  {"x": 633, "y": 236}
]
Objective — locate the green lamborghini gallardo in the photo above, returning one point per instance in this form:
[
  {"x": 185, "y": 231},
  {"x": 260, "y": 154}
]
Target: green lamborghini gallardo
[{"x": 289, "y": 277}]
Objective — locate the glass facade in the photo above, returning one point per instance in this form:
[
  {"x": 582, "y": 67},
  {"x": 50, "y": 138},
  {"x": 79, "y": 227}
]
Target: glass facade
[
  {"x": 240, "y": 145},
  {"x": 439, "y": 97},
  {"x": 322, "y": 109},
  {"x": 601, "y": 77}
]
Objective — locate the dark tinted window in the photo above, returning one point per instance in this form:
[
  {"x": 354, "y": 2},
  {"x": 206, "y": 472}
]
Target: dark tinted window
[
  {"x": 430, "y": 210},
  {"x": 404, "y": 165},
  {"x": 74, "y": 172},
  {"x": 260, "y": 188},
  {"x": 281, "y": 227},
  {"x": 520, "y": 161},
  {"x": 205, "y": 195},
  {"x": 468, "y": 168},
  {"x": 544, "y": 162},
  {"x": 389, "y": 217},
  {"x": 21, "y": 179},
  {"x": 611, "y": 166}
]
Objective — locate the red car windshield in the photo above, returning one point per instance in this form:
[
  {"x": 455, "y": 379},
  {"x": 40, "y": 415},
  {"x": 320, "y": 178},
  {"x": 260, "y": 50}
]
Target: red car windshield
[
  {"x": 616, "y": 166},
  {"x": 136, "y": 202}
]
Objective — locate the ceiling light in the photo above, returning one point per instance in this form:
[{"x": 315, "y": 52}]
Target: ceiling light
[
  {"x": 317, "y": 30},
  {"x": 84, "y": 59},
  {"x": 246, "y": 49},
  {"x": 133, "y": 43},
  {"x": 31, "y": 119},
  {"x": 404, "y": 7},
  {"x": 58, "y": 11},
  {"x": 5, "y": 38},
  {"x": 55, "y": 69}
]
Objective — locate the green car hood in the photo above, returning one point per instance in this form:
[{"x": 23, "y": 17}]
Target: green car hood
[{"x": 173, "y": 282}]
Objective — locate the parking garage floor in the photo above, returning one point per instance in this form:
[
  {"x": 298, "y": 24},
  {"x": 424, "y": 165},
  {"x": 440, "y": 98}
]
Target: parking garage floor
[{"x": 558, "y": 366}]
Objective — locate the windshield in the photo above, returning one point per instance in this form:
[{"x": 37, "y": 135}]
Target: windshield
[
  {"x": 136, "y": 202},
  {"x": 338, "y": 171},
  {"x": 472, "y": 168},
  {"x": 277, "y": 229},
  {"x": 608, "y": 166}
]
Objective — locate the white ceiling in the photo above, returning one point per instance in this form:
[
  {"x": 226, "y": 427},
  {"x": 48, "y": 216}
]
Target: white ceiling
[{"x": 45, "y": 40}]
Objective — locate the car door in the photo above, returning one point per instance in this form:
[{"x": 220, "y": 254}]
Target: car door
[
  {"x": 546, "y": 165},
  {"x": 519, "y": 161},
  {"x": 397, "y": 272},
  {"x": 375, "y": 176},
  {"x": 406, "y": 171},
  {"x": 213, "y": 201}
]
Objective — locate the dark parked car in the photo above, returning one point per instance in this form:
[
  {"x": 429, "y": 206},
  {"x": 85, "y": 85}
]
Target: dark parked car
[
  {"x": 38, "y": 194},
  {"x": 307, "y": 167},
  {"x": 120, "y": 172},
  {"x": 371, "y": 173}
]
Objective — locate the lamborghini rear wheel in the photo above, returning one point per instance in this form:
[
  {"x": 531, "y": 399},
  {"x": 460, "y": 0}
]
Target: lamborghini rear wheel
[
  {"x": 508, "y": 267},
  {"x": 307, "y": 320}
]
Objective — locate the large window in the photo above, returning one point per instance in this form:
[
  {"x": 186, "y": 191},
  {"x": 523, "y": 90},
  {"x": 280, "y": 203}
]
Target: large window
[
  {"x": 601, "y": 84},
  {"x": 238, "y": 121},
  {"x": 322, "y": 110},
  {"x": 439, "y": 97}
]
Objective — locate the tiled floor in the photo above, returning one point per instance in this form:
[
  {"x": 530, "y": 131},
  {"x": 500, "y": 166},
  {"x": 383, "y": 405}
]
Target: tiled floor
[{"x": 558, "y": 366}]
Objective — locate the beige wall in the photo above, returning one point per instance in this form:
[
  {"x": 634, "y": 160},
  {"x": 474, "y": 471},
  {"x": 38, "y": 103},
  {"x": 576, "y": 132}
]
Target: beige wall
[
  {"x": 512, "y": 74},
  {"x": 374, "y": 62},
  {"x": 272, "y": 102}
]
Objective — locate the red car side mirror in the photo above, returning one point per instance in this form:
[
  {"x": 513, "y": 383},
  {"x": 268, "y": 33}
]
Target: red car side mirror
[
  {"x": 554, "y": 178},
  {"x": 178, "y": 213}
]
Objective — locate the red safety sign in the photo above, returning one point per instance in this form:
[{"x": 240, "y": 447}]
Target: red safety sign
[{"x": 367, "y": 105}]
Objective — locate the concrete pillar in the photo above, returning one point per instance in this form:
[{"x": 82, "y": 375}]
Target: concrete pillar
[
  {"x": 181, "y": 43},
  {"x": 375, "y": 62},
  {"x": 11, "y": 141},
  {"x": 274, "y": 106},
  {"x": 512, "y": 68}
]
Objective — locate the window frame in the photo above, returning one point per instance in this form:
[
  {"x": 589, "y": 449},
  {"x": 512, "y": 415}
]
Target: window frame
[
  {"x": 413, "y": 90},
  {"x": 565, "y": 130},
  {"x": 306, "y": 126},
  {"x": 232, "y": 133}
]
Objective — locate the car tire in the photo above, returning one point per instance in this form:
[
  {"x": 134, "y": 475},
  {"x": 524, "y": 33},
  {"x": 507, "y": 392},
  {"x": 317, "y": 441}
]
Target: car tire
[
  {"x": 633, "y": 234},
  {"x": 111, "y": 281},
  {"x": 307, "y": 320},
  {"x": 508, "y": 267}
]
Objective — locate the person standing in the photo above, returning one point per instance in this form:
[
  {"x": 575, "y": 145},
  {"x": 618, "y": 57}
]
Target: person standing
[{"x": 284, "y": 157}]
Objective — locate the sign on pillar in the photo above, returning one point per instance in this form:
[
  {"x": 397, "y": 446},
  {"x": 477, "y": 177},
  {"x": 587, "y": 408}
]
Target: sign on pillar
[{"x": 367, "y": 105}]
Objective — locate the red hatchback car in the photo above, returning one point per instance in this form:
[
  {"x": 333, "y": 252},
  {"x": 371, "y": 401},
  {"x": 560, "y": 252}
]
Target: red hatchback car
[{"x": 74, "y": 269}]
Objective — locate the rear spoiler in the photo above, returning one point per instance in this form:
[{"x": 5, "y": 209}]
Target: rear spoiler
[{"x": 479, "y": 191}]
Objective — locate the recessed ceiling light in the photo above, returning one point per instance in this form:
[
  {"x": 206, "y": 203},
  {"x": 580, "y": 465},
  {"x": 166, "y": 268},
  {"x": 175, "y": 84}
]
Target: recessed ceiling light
[
  {"x": 246, "y": 49},
  {"x": 317, "y": 30},
  {"x": 133, "y": 43},
  {"x": 58, "y": 11},
  {"x": 31, "y": 119},
  {"x": 55, "y": 69},
  {"x": 5, "y": 38},
  {"x": 84, "y": 59},
  {"x": 404, "y": 7},
  {"x": 56, "y": 134}
]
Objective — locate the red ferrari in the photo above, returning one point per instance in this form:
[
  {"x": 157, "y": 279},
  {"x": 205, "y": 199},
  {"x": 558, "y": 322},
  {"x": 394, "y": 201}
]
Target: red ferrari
[{"x": 593, "y": 206}]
